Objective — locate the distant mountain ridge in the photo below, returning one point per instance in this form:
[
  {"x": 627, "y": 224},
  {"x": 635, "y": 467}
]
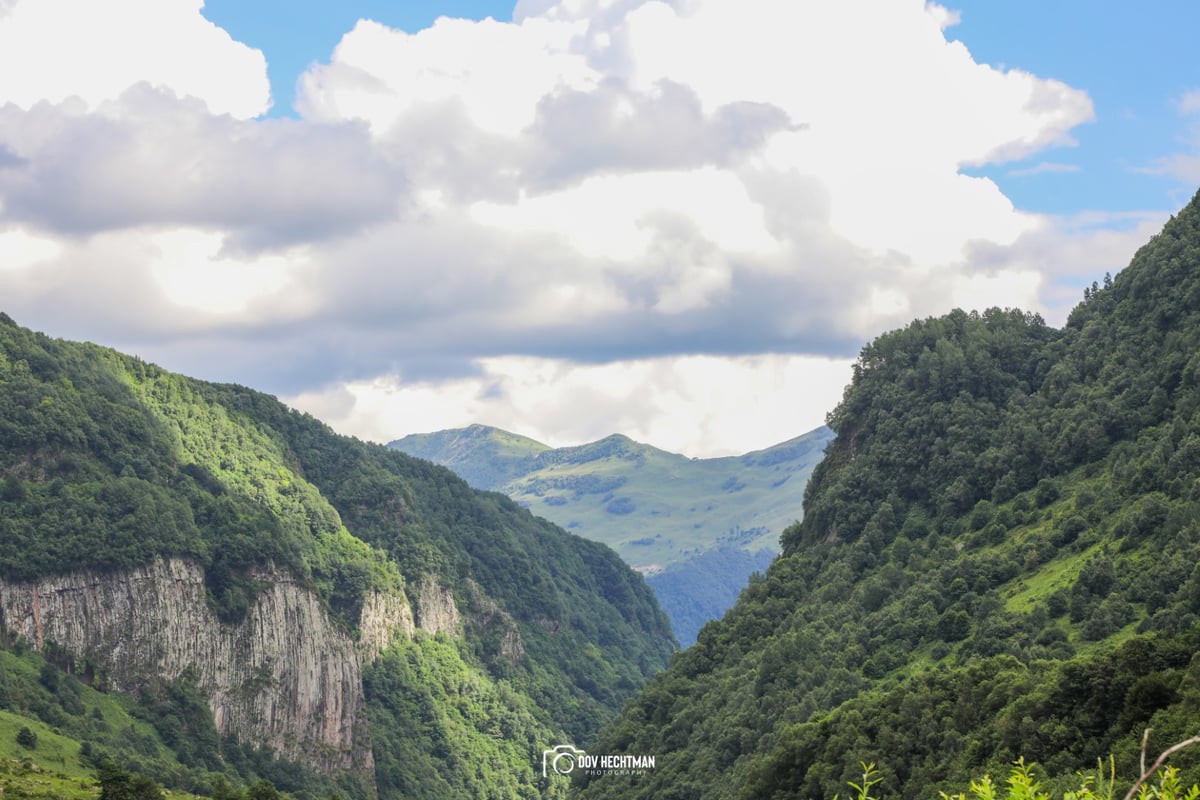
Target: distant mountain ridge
[
  {"x": 483, "y": 456},
  {"x": 666, "y": 514}
]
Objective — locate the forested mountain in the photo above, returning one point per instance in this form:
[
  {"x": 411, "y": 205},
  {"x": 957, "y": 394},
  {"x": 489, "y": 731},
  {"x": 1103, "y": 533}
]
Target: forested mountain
[
  {"x": 696, "y": 527},
  {"x": 998, "y": 559},
  {"x": 278, "y": 602}
]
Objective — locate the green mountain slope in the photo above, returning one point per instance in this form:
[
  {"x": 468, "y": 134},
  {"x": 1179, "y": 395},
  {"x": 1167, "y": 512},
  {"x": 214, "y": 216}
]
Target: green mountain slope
[
  {"x": 667, "y": 515},
  {"x": 108, "y": 463},
  {"x": 998, "y": 559},
  {"x": 485, "y": 457}
]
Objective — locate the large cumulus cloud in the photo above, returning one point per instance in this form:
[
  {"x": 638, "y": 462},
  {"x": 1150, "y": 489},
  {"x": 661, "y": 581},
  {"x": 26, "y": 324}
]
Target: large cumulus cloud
[
  {"x": 638, "y": 192},
  {"x": 54, "y": 50}
]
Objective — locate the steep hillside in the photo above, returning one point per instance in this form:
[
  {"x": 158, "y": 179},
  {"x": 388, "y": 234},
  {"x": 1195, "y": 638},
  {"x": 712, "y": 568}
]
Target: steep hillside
[
  {"x": 360, "y": 614},
  {"x": 667, "y": 515},
  {"x": 997, "y": 560}
]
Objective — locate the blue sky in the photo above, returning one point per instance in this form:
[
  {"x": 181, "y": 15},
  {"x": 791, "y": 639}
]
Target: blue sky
[
  {"x": 1131, "y": 58},
  {"x": 675, "y": 220}
]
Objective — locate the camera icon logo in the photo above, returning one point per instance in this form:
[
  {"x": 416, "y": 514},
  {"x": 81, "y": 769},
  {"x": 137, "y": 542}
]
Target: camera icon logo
[{"x": 561, "y": 759}]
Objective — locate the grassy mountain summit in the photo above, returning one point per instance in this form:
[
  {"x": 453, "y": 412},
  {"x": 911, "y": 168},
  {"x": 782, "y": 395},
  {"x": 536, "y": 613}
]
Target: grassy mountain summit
[
  {"x": 697, "y": 527},
  {"x": 997, "y": 560},
  {"x": 525, "y": 635},
  {"x": 485, "y": 457},
  {"x": 653, "y": 507}
]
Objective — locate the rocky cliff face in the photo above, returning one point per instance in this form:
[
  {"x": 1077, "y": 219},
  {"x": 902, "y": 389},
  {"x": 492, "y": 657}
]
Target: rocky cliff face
[
  {"x": 286, "y": 677},
  {"x": 436, "y": 610},
  {"x": 385, "y": 619}
]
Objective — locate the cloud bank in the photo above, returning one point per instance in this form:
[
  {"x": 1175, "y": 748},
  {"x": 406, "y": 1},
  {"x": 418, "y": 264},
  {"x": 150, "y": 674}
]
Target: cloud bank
[{"x": 669, "y": 219}]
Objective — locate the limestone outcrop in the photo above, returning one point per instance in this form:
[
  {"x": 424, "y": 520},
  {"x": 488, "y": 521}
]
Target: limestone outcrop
[
  {"x": 286, "y": 676},
  {"x": 385, "y": 619},
  {"x": 436, "y": 610}
]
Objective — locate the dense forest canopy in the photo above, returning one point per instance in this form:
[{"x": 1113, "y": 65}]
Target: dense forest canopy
[
  {"x": 998, "y": 559},
  {"x": 108, "y": 462}
]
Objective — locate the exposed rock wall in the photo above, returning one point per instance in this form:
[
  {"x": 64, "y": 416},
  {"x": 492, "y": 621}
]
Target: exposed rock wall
[
  {"x": 286, "y": 677},
  {"x": 436, "y": 610},
  {"x": 385, "y": 618},
  {"x": 491, "y": 621}
]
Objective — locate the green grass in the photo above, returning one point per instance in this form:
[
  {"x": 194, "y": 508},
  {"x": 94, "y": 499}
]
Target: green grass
[
  {"x": 1022, "y": 594},
  {"x": 106, "y": 721},
  {"x": 31, "y": 777},
  {"x": 53, "y": 750},
  {"x": 27, "y": 777},
  {"x": 654, "y": 508}
]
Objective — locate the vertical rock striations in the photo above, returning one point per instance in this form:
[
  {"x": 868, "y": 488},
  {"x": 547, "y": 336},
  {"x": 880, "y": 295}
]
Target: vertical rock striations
[
  {"x": 285, "y": 677},
  {"x": 385, "y": 619},
  {"x": 436, "y": 610}
]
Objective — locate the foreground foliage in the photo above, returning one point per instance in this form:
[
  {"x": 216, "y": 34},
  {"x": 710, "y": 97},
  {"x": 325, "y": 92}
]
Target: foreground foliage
[{"x": 1023, "y": 783}]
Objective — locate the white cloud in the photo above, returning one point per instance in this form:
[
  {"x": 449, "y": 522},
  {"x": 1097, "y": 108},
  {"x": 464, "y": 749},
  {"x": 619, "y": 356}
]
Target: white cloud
[
  {"x": 1183, "y": 166},
  {"x": 944, "y": 17},
  {"x": 750, "y": 402},
  {"x": 150, "y": 289},
  {"x": 20, "y": 249},
  {"x": 1011, "y": 288},
  {"x": 149, "y": 158},
  {"x": 193, "y": 273},
  {"x": 674, "y": 220},
  {"x": 497, "y": 71},
  {"x": 1189, "y": 102},
  {"x": 1043, "y": 168},
  {"x": 883, "y": 114},
  {"x": 1062, "y": 254},
  {"x": 614, "y": 217},
  {"x": 57, "y": 49}
]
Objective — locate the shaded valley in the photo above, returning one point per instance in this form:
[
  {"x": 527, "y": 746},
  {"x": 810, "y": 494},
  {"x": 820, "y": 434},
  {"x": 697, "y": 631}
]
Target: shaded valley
[{"x": 696, "y": 528}]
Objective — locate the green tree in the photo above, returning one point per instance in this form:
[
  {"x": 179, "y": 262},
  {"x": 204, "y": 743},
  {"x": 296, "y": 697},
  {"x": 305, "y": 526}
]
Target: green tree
[
  {"x": 27, "y": 738},
  {"x": 115, "y": 783},
  {"x": 262, "y": 789}
]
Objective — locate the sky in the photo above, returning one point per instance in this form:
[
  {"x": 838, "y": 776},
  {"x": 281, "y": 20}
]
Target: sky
[{"x": 675, "y": 219}]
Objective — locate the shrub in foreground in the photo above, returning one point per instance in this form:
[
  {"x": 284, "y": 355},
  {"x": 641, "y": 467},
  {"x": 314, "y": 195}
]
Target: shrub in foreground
[{"x": 1023, "y": 784}]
